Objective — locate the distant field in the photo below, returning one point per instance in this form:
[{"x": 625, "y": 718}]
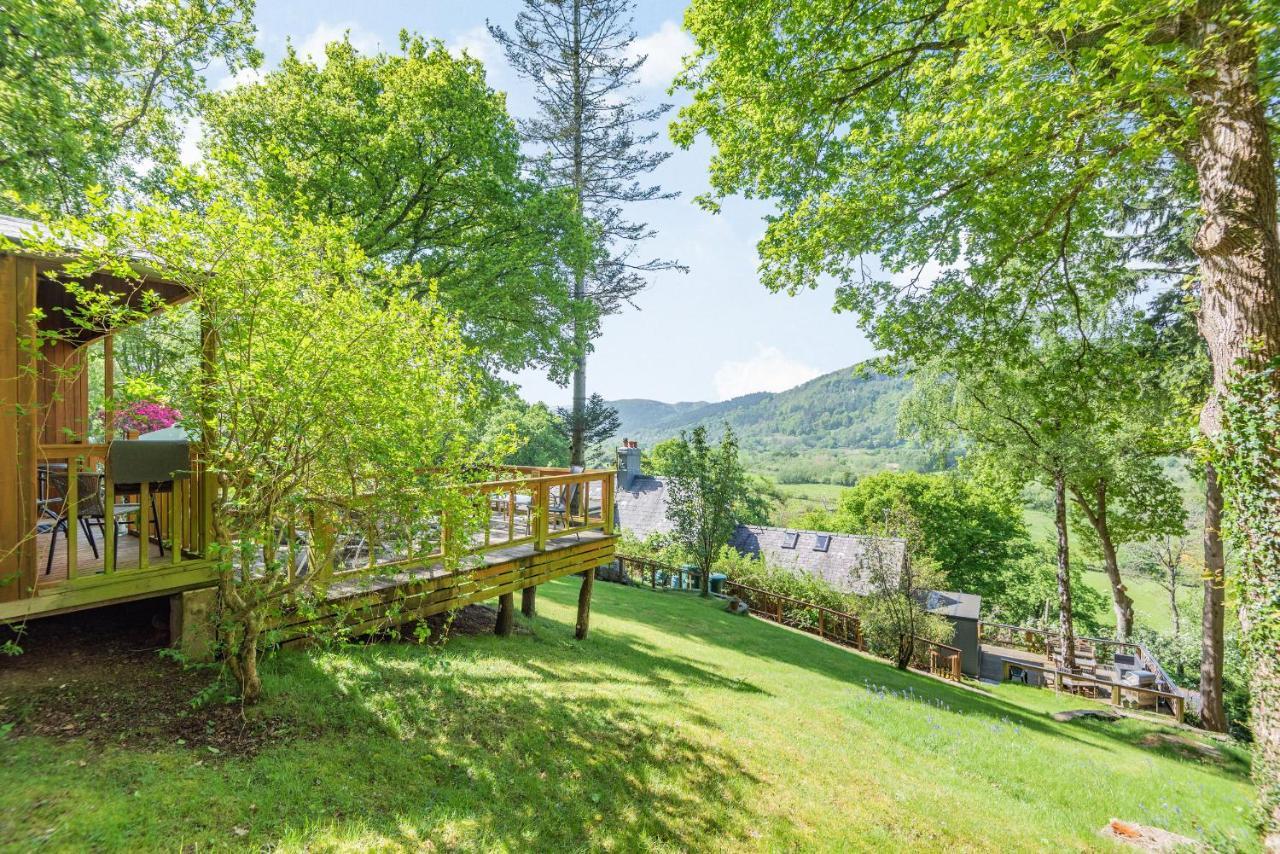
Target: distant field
[
  {"x": 803, "y": 497},
  {"x": 1150, "y": 601}
]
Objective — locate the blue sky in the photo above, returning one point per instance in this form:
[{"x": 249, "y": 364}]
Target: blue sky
[{"x": 709, "y": 334}]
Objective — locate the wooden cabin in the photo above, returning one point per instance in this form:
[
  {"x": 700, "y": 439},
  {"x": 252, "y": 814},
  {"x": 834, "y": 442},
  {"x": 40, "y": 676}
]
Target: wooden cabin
[{"x": 151, "y": 539}]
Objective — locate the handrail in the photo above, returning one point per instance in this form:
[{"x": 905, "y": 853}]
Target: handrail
[
  {"x": 180, "y": 510},
  {"x": 1115, "y": 689},
  {"x": 1149, "y": 660},
  {"x": 553, "y": 508}
]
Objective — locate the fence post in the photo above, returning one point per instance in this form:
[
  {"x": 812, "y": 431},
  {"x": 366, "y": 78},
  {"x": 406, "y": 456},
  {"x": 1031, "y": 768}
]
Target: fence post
[
  {"x": 822, "y": 623},
  {"x": 541, "y": 501},
  {"x": 1115, "y": 695},
  {"x": 955, "y": 667},
  {"x": 778, "y": 606}
]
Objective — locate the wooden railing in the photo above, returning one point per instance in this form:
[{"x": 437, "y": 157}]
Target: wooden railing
[
  {"x": 1115, "y": 693},
  {"x": 180, "y": 508},
  {"x": 831, "y": 624},
  {"x": 1104, "y": 649},
  {"x": 529, "y": 508},
  {"x": 940, "y": 659},
  {"x": 828, "y": 623}
]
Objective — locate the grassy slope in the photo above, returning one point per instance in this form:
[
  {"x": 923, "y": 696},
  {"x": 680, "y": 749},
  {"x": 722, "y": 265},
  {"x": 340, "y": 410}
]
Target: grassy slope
[{"x": 674, "y": 726}]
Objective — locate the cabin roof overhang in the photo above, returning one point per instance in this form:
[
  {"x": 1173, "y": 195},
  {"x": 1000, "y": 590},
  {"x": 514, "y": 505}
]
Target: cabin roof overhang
[{"x": 52, "y": 296}]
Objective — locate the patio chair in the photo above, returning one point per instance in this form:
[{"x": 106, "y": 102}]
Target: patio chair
[
  {"x": 90, "y": 510},
  {"x": 567, "y": 501}
]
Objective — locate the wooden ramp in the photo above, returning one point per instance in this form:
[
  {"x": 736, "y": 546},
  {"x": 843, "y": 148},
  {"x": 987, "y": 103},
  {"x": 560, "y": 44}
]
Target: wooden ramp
[
  {"x": 994, "y": 657},
  {"x": 370, "y": 601}
]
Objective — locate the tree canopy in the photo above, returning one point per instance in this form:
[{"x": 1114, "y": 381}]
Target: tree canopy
[
  {"x": 973, "y": 535},
  {"x": 92, "y": 90},
  {"x": 418, "y": 153}
]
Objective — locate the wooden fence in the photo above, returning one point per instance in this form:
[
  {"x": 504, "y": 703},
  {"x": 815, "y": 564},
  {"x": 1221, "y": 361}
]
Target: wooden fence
[
  {"x": 1104, "y": 649},
  {"x": 1115, "y": 693},
  {"x": 828, "y": 623}
]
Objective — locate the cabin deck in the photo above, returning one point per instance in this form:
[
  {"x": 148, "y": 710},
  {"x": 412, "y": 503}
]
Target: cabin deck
[{"x": 128, "y": 547}]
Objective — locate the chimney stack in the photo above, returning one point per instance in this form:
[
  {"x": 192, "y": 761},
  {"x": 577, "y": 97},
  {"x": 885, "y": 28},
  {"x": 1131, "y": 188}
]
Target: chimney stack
[{"x": 628, "y": 463}]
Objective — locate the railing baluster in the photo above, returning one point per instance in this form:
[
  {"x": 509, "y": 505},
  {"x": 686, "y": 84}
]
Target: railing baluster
[
  {"x": 72, "y": 512},
  {"x": 144, "y": 526},
  {"x": 109, "y": 526},
  {"x": 175, "y": 522}
]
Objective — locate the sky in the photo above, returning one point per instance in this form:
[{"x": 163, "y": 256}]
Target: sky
[{"x": 709, "y": 334}]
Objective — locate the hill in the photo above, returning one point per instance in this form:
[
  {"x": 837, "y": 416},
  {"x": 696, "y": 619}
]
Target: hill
[
  {"x": 845, "y": 409},
  {"x": 674, "y": 727}
]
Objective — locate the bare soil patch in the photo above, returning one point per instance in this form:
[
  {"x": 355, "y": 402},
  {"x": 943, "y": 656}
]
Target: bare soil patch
[{"x": 99, "y": 676}]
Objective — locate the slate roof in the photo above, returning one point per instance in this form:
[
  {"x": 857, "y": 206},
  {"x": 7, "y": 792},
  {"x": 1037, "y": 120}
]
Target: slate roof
[
  {"x": 642, "y": 506},
  {"x": 949, "y": 603},
  {"x": 846, "y": 564}
]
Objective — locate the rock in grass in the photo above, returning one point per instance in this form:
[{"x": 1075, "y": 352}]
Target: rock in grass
[
  {"x": 1101, "y": 714},
  {"x": 737, "y": 606},
  {"x": 1147, "y": 838}
]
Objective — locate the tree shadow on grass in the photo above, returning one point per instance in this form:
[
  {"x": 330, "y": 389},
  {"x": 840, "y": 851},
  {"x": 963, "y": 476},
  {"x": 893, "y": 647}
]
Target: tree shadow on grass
[
  {"x": 495, "y": 760},
  {"x": 756, "y": 638}
]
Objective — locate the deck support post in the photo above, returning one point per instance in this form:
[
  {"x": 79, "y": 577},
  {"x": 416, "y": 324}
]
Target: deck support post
[
  {"x": 584, "y": 604},
  {"x": 193, "y": 626},
  {"x": 529, "y": 601},
  {"x": 506, "y": 615}
]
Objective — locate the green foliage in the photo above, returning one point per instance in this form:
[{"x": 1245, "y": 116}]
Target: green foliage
[
  {"x": 661, "y": 457},
  {"x": 93, "y": 88},
  {"x": 1029, "y": 596},
  {"x": 968, "y": 138},
  {"x": 705, "y": 493},
  {"x": 757, "y": 572},
  {"x": 973, "y": 535},
  {"x": 598, "y": 422},
  {"x": 533, "y": 430},
  {"x": 324, "y": 403},
  {"x": 1248, "y": 458},
  {"x": 419, "y": 154}
]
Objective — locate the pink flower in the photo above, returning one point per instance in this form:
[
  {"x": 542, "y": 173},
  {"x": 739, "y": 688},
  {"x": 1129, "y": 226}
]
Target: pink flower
[{"x": 143, "y": 416}]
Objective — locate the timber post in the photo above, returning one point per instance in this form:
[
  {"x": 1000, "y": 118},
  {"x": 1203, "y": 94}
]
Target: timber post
[
  {"x": 584, "y": 604},
  {"x": 529, "y": 601},
  {"x": 506, "y": 615}
]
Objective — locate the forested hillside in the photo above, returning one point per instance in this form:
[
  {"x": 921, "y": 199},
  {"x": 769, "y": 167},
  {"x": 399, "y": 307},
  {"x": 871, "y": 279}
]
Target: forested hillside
[{"x": 845, "y": 409}]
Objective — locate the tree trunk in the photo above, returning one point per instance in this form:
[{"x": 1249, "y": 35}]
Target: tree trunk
[
  {"x": 1239, "y": 318},
  {"x": 243, "y": 662},
  {"x": 529, "y": 601},
  {"x": 577, "y": 434},
  {"x": 1121, "y": 603},
  {"x": 1173, "y": 601},
  {"x": 1064, "y": 572},
  {"x": 584, "y": 605},
  {"x": 506, "y": 615}
]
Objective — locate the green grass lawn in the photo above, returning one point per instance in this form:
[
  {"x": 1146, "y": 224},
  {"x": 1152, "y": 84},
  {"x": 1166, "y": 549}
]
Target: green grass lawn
[{"x": 674, "y": 726}]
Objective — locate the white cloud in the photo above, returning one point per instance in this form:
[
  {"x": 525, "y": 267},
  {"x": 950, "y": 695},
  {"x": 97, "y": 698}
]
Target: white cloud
[
  {"x": 241, "y": 78},
  {"x": 189, "y": 147},
  {"x": 478, "y": 42},
  {"x": 312, "y": 44},
  {"x": 768, "y": 370},
  {"x": 666, "y": 48}
]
